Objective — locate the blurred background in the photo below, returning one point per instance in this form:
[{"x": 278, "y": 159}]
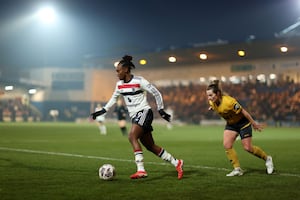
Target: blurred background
[{"x": 57, "y": 57}]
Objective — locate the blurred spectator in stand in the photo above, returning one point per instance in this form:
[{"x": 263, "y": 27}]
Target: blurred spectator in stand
[
  {"x": 121, "y": 112},
  {"x": 101, "y": 120},
  {"x": 1, "y": 111}
]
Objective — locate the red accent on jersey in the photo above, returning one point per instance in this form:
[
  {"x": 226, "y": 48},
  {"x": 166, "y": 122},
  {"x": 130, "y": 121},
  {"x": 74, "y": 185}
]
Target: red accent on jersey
[{"x": 129, "y": 86}]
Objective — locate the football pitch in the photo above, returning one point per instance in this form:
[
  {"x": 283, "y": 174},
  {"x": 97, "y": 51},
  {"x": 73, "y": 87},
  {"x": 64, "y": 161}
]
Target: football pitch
[{"x": 61, "y": 161}]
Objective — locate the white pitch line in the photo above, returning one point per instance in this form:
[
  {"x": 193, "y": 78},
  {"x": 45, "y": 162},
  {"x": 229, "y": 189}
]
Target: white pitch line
[
  {"x": 62, "y": 154},
  {"x": 96, "y": 157},
  {"x": 117, "y": 159}
]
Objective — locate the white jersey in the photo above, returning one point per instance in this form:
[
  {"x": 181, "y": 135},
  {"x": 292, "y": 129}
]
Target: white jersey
[{"x": 135, "y": 95}]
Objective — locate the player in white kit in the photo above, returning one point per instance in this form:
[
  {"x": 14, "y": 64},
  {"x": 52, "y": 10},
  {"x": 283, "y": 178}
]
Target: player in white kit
[
  {"x": 134, "y": 91},
  {"x": 101, "y": 121}
]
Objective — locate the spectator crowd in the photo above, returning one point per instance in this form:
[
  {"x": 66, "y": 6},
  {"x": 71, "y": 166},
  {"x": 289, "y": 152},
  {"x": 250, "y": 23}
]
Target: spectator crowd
[{"x": 275, "y": 103}]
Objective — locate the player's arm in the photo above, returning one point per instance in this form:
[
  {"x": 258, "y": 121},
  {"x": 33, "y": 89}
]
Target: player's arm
[
  {"x": 256, "y": 126},
  {"x": 94, "y": 115},
  {"x": 108, "y": 105},
  {"x": 158, "y": 98}
]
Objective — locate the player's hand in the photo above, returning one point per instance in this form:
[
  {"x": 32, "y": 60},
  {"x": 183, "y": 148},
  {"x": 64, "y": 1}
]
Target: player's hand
[
  {"x": 100, "y": 112},
  {"x": 258, "y": 126},
  {"x": 165, "y": 115}
]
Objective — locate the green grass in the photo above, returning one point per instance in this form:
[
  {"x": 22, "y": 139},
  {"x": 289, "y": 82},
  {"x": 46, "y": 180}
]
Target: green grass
[{"x": 61, "y": 161}]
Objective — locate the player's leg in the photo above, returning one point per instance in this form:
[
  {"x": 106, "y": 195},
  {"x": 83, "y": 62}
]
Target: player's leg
[
  {"x": 246, "y": 136},
  {"x": 123, "y": 130},
  {"x": 254, "y": 150},
  {"x": 229, "y": 137},
  {"x": 102, "y": 127},
  {"x": 134, "y": 135},
  {"x": 258, "y": 152},
  {"x": 141, "y": 122},
  {"x": 148, "y": 141},
  {"x": 122, "y": 125}
]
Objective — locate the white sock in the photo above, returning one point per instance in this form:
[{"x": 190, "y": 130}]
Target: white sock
[
  {"x": 102, "y": 129},
  {"x": 139, "y": 160},
  {"x": 168, "y": 157}
]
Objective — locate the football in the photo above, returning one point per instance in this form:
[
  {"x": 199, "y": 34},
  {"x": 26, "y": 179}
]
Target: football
[{"x": 107, "y": 172}]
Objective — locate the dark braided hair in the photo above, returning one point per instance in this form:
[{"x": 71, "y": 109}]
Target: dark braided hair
[{"x": 126, "y": 62}]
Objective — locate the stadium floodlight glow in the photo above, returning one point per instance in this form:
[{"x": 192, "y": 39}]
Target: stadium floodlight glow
[
  {"x": 202, "y": 79},
  {"x": 243, "y": 78},
  {"x": 116, "y": 63},
  {"x": 9, "y": 87},
  {"x": 283, "y": 49},
  {"x": 261, "y": 78},
  {"x": 241, "y": 53},
  {"x": 47, "y": 15},
  {"x": 143, "y": 62},
  {"x": 172, "y": 59},
  {"x": 212, "y": 78},
  {"x": 223, "y": 79},
  {"x": 234, "y": 80},
  {"x": 203, "y": 56},
  {"x": 32, "y": 91},
  {"x": 272, "y": 76}
]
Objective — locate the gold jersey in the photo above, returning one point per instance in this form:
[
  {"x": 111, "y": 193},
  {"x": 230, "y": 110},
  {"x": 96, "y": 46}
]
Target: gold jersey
[{"x": 229, "y": 109}]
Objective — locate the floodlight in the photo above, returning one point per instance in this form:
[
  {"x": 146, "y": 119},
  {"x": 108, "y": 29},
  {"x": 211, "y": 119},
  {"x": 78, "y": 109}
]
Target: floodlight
[
  {"x": 143, "y": 62},
  {"x": 32, "y": 91},
  {"x": 9, "y": 87},
  {"x": 284, "y": 49},
  {"x": 116, "y": 63},
  {"x": 203, "y": 56},
  {"x": 47, "y": 15},
  {"x": 172, "y": 59}
]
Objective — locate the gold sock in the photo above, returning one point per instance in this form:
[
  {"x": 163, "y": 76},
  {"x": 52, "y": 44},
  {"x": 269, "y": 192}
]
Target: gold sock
[
  {"x": 232, "y": 157},
  {"x": 257, "y": 151}
]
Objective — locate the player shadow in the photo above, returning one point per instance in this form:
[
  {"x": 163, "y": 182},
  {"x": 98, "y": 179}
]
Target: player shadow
[
  {"x": 173, "y": 174},
  {"x": 258, "y": 171}
]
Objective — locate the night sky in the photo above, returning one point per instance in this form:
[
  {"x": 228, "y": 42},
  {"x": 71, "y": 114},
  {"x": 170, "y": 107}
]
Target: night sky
[{"x": 87, "y": 28}]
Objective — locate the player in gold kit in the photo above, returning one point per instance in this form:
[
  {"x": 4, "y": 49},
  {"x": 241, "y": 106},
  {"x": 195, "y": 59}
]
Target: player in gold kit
[{"x": 238, "y": 123}]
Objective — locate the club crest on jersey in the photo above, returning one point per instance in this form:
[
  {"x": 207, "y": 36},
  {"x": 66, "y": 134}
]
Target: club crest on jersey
[{"x": 237, "y": 106}]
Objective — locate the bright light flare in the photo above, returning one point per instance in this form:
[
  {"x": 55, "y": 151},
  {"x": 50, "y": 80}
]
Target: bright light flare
[
  {"x": 116, "y": 64},
  {"x": 9, "y": 87},
  {"x": 143, "y": 62},
  {"x": 32, "y": 91},
  {"x": 284, "y": 49},
  {"x": 203, "y": 56},
  {"x": 241, "y": 53},
  {"x": 172, "y": 59},
  {"x": 47, "y": 15}
]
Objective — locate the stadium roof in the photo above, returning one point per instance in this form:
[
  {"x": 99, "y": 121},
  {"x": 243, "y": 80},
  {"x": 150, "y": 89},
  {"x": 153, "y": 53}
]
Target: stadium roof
[
  {"x": 223, "y": 52},
  {"x": 291, "y": 31},
  {"x": 218, "y": 51}
]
